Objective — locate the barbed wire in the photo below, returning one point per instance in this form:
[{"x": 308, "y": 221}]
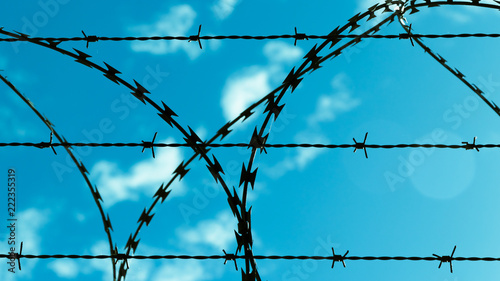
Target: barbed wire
[
  {"x": 464, "y": 145},
  {"x": 79, "y": 164},
  {"x": 233, "y": 257},
  {"x": 296, "y": 36},
  {"x": 243, "y": 235}
]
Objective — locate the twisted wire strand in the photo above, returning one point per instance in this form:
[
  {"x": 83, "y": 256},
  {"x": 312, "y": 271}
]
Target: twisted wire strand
[
  {"x": 466, "y": 146},
  {"x": 167, "y": 115},
  {"x": 438, "y": 58},
  {"x": 258, "y": 257},
  {"x": 299, "y": 36},
  {"x": 291, "y": 82},
  {"x": 83, "y": 171},
  {"x": 295, "y": 77},
  {"x": 428, "y": 3}
]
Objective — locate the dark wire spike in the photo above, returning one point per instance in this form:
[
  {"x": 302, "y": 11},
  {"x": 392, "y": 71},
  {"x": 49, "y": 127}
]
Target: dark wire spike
[
  {"x": 89, "y": 39},
  {"x": 361, "y": 145},
  {"x": 299, "y": 36},
  {"x": 338, "y": 258},
  {"x": 229, "y": 257},
  {"x": 147, "y": 144},
  {"x": 195, "y": 38},
  {"x": 443, "y": 259},
  {"x": 471, "y": 146}
]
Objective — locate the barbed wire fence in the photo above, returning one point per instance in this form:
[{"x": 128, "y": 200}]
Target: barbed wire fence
[{"x": 237, "y": 201}]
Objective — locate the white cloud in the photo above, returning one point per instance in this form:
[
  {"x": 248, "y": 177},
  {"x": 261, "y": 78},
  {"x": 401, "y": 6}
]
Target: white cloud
[
  {"x": 363, "y": 5},
  {"x": 100, "y": 248},
  {"x": 139, "y": 270},
  {"x": 28, "y": 229},
  {"x": 177, "y": 22},
  {"x": 331, "y": 105},
  {"x": 465, "y": 14},
  {"x": 216, "y": 233},
  {"x": 145, "y": 177},
  {"x": 458, "y": 14},
  {"x": 245, "y": 87},
  {"x": 224, "y": 8},
  {"x": 202, "y": 132},
  {"x": 259, "y": 188},
  {"x": 142, "y": 270},
  {"x": 64, "y": 268},
  {"x": 278, "y": 52},
  {"x": 328, "y": 107},
  {"x": 190, "y": 270},
  {"x": 302, "y": 158}
]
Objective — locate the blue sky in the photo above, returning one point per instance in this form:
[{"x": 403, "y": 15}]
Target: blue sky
[{"x": 408, "y": 202}]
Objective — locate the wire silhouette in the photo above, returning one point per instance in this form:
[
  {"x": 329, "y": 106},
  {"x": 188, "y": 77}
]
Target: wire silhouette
[
  {"x": 226, "y": 257},
  {"x": 258, "y": 140},
  {"x": 465, "y": 145},
  {"x": 297, "y": 36}
]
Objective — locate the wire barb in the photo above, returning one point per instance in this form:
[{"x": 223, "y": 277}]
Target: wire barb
[
  {"x": 18, "y": 256},
  {"x": 147, "y": 144},
  {"x": 446, "y": 259},
  {"x": 407, "y": 35},
  {"x": 361, "y": 145},
  {"x": 121, "y": 257},
  {"x": 229, "y": 257},
  {"x": 338, "y": 258},
  {"x": 90, "y": 39},
  {"x": 470, "y": 146},
  {"x": 299, "y": 36},
  {"x": 47, "y": 144},
  {"x": 195, "y": 38}
]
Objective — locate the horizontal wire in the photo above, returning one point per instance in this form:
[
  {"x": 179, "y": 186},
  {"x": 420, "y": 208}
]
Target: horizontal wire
[
  {"x": 300, "y": 36},
  {"x": 260, "y": 257},
  {"x": 228, "y": 145}
]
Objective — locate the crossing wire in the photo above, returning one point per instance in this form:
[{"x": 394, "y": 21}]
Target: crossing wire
[
  {"x": 230, "y": 145},
  {"x": 298, "y": 36},
  {"x": 314, "y": 60},
  {"x": 231, "y": 257}
]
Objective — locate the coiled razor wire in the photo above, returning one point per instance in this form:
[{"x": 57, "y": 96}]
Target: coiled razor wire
[{"x": 258, "y": 141}]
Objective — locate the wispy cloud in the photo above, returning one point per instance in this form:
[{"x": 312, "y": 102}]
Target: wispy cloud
[
  {"x": 302, "y": 157},
  {"x": 31, "y": 222},
  {"x": 254, "y": 82},
  {"x": 328, "y": 107},
  {"x": 178, "y": 21},
  {"x": 142, "y": 270},
  {"x": 145, "y": 177},
  {"x": 465, "y": 14},
  {"x": 243, "y": 89},
  {"x": 64, "y": 268},
  {"x": 224, "y": 8},
  {"x": 10, "y": 124},
  {"x": 100, "y": 248},
  {"x": 191, "y": 270},
  {"x": 215, "y": 234}
]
